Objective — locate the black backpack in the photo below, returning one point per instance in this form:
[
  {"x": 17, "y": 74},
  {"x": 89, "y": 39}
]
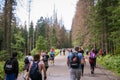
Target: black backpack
[
  {"x": 9, "y": 66},
  {"x": 45, "y": 58},
  {"x": 35, "y": 74},
  {"x": 75, "y": 61},
  {"x": 26, "y": 60}
]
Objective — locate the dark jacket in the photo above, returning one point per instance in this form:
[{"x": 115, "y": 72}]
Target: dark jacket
[{"x": 16, "y": 66}]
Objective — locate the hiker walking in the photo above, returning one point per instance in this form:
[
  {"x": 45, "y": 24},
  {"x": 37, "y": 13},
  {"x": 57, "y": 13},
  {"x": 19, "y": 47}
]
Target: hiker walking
[
  {"x": 36, "y": 68},
  {"x": 74, "y": 61},
  {"x": 52, "y": 55},
  {"x": 82, "y": 65},
  {"x": 92, "y": 57},
  {"x": 27, "y": 60},
  {"x": 45, "y": 58},
  {"x": 60, "y": 51},
  {"x": 63, "y": 51},
  {"x": 11, "y": 67}
]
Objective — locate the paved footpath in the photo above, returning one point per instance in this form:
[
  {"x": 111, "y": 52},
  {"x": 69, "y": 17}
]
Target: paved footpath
[{"x": 60, "y": 71}]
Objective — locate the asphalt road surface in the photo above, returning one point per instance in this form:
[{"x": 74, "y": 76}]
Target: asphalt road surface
[{"x": 60, "y": 71}]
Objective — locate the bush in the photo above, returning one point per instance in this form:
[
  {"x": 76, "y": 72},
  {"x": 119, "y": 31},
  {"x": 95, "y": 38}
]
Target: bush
[
  {"x": 4, "y": 55},
  {"x": 110, "y": 62},
  {"x": 1, "y": 70}
]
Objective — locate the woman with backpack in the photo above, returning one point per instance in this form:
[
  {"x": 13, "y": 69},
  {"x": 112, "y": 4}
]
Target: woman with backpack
[
  {"x": 36, "y": 68},
  {"x": 45, "y": 58},
  {"x": 92, "y": 57},
  {"x": 27, "y": 60}
]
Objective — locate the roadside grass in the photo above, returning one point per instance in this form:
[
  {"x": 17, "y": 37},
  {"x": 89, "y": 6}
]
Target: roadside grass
[{"x": 110, "y": 62}]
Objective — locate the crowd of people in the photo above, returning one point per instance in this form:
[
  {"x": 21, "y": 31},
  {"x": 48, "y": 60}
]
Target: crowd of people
[
  {"x": 38, "y": 63},
  {"x": 34, "y": 66},
  {"x": 76, "y": 61}
]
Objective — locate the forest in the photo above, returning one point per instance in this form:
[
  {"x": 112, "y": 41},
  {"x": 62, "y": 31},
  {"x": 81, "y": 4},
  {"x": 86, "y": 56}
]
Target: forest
[
  {"x": 47, "y": 33},
  {"x": 96, "y": 24}
]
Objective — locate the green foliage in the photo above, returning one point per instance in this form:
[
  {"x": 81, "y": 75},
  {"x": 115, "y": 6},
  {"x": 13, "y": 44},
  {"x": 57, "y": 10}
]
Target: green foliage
[
  {"x": 57, "y": 51},
  {"x": 4, "y": 55},
  {"x": 111, "y": 62},
  {"x": 33, "y": 51},
  {"x": 41, "y": 44},
  {"x": 53, "y": 38},
  {"x": 104, "y": 22},
  {"x": 20, "y": 54},
  {"x": 18, "y": 41},
  {"x": 1, "y": 70},
  {"x": 21, "y": 65}
]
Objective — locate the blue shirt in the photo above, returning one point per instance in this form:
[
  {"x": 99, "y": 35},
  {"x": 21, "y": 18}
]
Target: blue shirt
[
  {"x": 79, "y": 55},
  {"x": 51, "y": 52}
]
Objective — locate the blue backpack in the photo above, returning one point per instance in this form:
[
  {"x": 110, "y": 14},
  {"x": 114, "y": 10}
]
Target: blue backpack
[{"x": 35, "y": 74}]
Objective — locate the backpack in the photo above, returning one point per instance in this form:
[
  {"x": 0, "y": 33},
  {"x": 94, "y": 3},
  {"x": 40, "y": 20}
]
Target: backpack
[
  {"x": 75, "y": 61},
  {"x": 26, "y": 60},
  {"x": 92, "y": 55},
  {"x": 45, "y": 59},
  {"x": 9, "y": 66},
  {"x": 34, "y": 71}
]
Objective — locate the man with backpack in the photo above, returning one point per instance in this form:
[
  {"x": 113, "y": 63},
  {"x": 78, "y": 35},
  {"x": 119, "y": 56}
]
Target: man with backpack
[
  {"x": 11, "y": 67},
  {"x": 36, "y": 68},
  {"x": 74, "y": 61}
]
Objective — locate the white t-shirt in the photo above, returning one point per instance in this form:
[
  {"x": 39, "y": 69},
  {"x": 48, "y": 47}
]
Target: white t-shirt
[{"x": 30, "y": 58}]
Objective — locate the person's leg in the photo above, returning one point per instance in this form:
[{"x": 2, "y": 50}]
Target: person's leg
[
  {"x": 78, "y": 74},
  {"x": 95, "y": 62},
  {"x": 10, "y": 76},
  {"x": 92, "y": 68},
  {"x": 13, "y": 77},
  {"x": 7, "y": 77},
  {"x": 82, "y": 67},
  {"x": 46, "y": 68},
  {"x": 72, "y": 74}
]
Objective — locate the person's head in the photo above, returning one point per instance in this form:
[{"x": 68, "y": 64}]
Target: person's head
[
  {"x": 76, "y": 48},
  {"x": 14, "y": 54},
  {"x": 36, "y": 57},
  {"x": 29, "y": 53},
  {"x": 93, "y": 50},
  {"x": 46, "y": 52},
  {"x": 71, "y": 50}
]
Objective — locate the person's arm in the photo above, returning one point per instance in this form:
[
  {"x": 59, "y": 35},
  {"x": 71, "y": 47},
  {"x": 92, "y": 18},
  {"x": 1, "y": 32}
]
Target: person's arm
[
  {"x": 29, "y": 70},
  {"x": 81, "y": 58},
  {"x": 82, "y": 61},
  {"x": 68, "y": 62}
]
